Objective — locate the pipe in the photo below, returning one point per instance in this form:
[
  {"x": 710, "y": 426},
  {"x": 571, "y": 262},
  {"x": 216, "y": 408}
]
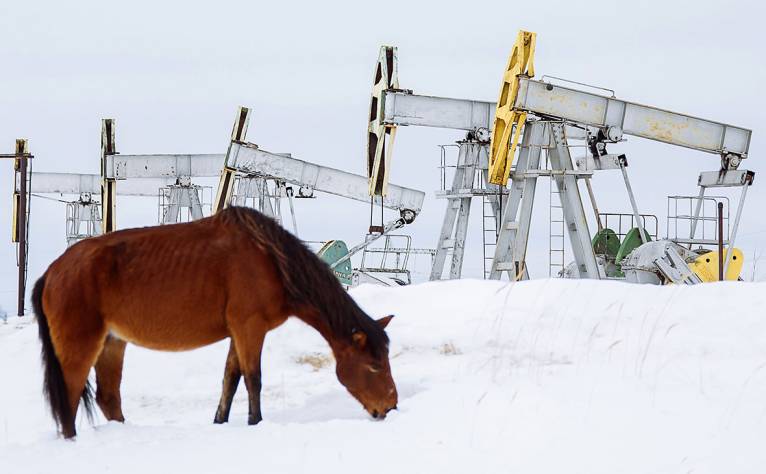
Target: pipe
[
  {"x": 593, "y": 203},
  {"x": 633, "y": 205},
  {"x": 720, "y": 241}
]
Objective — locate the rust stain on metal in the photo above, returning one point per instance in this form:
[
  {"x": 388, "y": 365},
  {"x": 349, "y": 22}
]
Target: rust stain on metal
[{"x": 666, "y": 130}]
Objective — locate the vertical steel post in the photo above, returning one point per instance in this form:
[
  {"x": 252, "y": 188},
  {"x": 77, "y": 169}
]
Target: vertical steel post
[
  {"x": 695, "y": 219},
  {"x": 21, "y": 161},
  {"x": 108, "y": 185},
  {"x": 464, "y": 212},
  {"x": 720, "y": 241},
  {"x": 733, "y": 236},
  {"x": 289, "y": 192}
]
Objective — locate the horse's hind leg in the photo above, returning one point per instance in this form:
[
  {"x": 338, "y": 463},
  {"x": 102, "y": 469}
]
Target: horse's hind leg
[
  {"x": 78, "y": 354},
  {"x": 108, "y": 378},
  {"x": 231, "y": 376}
]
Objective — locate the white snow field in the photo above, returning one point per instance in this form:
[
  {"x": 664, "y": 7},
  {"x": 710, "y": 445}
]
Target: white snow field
[{"x": 546, "y": 376}]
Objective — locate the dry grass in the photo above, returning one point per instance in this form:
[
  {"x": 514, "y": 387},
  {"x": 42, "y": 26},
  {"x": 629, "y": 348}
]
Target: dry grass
[
  {"x": 448, "y": 349},
  {"x": 316, "y": 360}
]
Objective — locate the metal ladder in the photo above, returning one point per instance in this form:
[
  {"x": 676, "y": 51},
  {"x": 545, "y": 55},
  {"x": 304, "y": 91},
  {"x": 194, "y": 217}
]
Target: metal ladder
[
  {"x": 489, "y": 233},
  {"x": 556, "y": 255}
]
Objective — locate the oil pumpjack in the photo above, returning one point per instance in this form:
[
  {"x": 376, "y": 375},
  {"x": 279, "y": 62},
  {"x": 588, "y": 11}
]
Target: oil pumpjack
[{"x": 499, "y": 161}]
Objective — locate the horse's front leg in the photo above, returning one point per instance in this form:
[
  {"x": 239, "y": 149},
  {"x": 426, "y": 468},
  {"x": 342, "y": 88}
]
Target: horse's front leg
[
  {"x": 231, "y": 375},
  {"x": 249, "y": 344}
]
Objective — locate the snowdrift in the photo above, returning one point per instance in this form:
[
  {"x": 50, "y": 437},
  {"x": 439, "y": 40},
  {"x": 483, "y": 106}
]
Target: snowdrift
[{"x": 544, "y": 376}]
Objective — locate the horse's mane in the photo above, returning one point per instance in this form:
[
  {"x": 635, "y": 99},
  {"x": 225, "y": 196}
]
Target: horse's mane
[{"x": 307, "y": 279}]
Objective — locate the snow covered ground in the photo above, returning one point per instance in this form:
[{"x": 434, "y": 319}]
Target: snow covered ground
[{"x": 545, "y": 376}]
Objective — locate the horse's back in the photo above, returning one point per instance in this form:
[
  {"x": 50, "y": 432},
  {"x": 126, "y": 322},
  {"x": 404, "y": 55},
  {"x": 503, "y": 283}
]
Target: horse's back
[{"x": 160, "y": 287}]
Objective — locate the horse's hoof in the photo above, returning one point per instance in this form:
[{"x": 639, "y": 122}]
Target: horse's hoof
[{"x": 254, "y": 420}]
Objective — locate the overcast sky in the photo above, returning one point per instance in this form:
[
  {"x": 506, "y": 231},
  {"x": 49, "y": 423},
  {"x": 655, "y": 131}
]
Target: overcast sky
[{"x": 173, "y": 73}]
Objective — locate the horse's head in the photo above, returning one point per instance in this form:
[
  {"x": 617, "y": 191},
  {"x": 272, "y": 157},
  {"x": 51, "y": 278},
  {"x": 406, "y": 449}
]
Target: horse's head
[{"x": 366, "y": 374}]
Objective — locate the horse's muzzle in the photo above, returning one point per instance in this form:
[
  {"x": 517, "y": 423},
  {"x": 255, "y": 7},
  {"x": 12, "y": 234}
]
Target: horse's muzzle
[{"x": 381, "y": 415}]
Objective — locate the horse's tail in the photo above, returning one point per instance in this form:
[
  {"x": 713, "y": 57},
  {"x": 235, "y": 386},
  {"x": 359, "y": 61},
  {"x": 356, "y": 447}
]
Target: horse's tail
[{"x": 54, "y": 385}]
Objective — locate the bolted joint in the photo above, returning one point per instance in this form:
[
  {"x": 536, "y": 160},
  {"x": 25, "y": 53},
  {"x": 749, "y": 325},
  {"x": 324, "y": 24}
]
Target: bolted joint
[
  {"x": 613, "y": 133},
  {"x": 730, "y": 161},
  {"x": 623, "y": 160},
  {"x": 407, "y": 215}
]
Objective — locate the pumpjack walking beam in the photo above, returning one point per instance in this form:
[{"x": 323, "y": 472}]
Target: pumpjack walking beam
[
  {"x": 248, "y": 158},
  {"x": 84, "y": 183},
  {"x": 543, "y": 99},
  {"x": 615, "y": 117},
  {"x": 147, "y": 168}
]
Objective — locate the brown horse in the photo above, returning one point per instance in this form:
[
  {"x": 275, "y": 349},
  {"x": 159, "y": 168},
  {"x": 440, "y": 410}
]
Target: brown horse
[{"x": 237, "y": 274}]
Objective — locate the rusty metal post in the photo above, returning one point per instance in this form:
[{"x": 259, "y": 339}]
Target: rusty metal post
[
  {"x": 108, "y": 185},
  {"x": 720, "y": 241},
  {"x": 21, "y": 163},
  {"x": 20, "y": 157}
]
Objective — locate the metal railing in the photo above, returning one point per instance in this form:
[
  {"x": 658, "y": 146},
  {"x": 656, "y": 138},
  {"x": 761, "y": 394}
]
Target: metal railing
[
  {"x": 692, "y": 220},
  {"x": 625, "y": 222},
  {"x": 392, "y": 257},
  {"x": 83, "y": 219}
]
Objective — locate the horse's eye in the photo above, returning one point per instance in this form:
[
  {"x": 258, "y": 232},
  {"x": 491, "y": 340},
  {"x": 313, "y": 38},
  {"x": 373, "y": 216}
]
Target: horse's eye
[{"x": 372, "y": 369}]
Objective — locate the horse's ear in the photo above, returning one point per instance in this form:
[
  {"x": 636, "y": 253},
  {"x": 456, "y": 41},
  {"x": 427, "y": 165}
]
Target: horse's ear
[
  {"x": 383, "y": 322},
  {"x": 359, "y": 338}
]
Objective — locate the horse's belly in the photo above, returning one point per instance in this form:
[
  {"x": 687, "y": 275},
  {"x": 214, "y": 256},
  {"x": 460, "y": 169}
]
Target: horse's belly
[{"x": 168, "y": 332}]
